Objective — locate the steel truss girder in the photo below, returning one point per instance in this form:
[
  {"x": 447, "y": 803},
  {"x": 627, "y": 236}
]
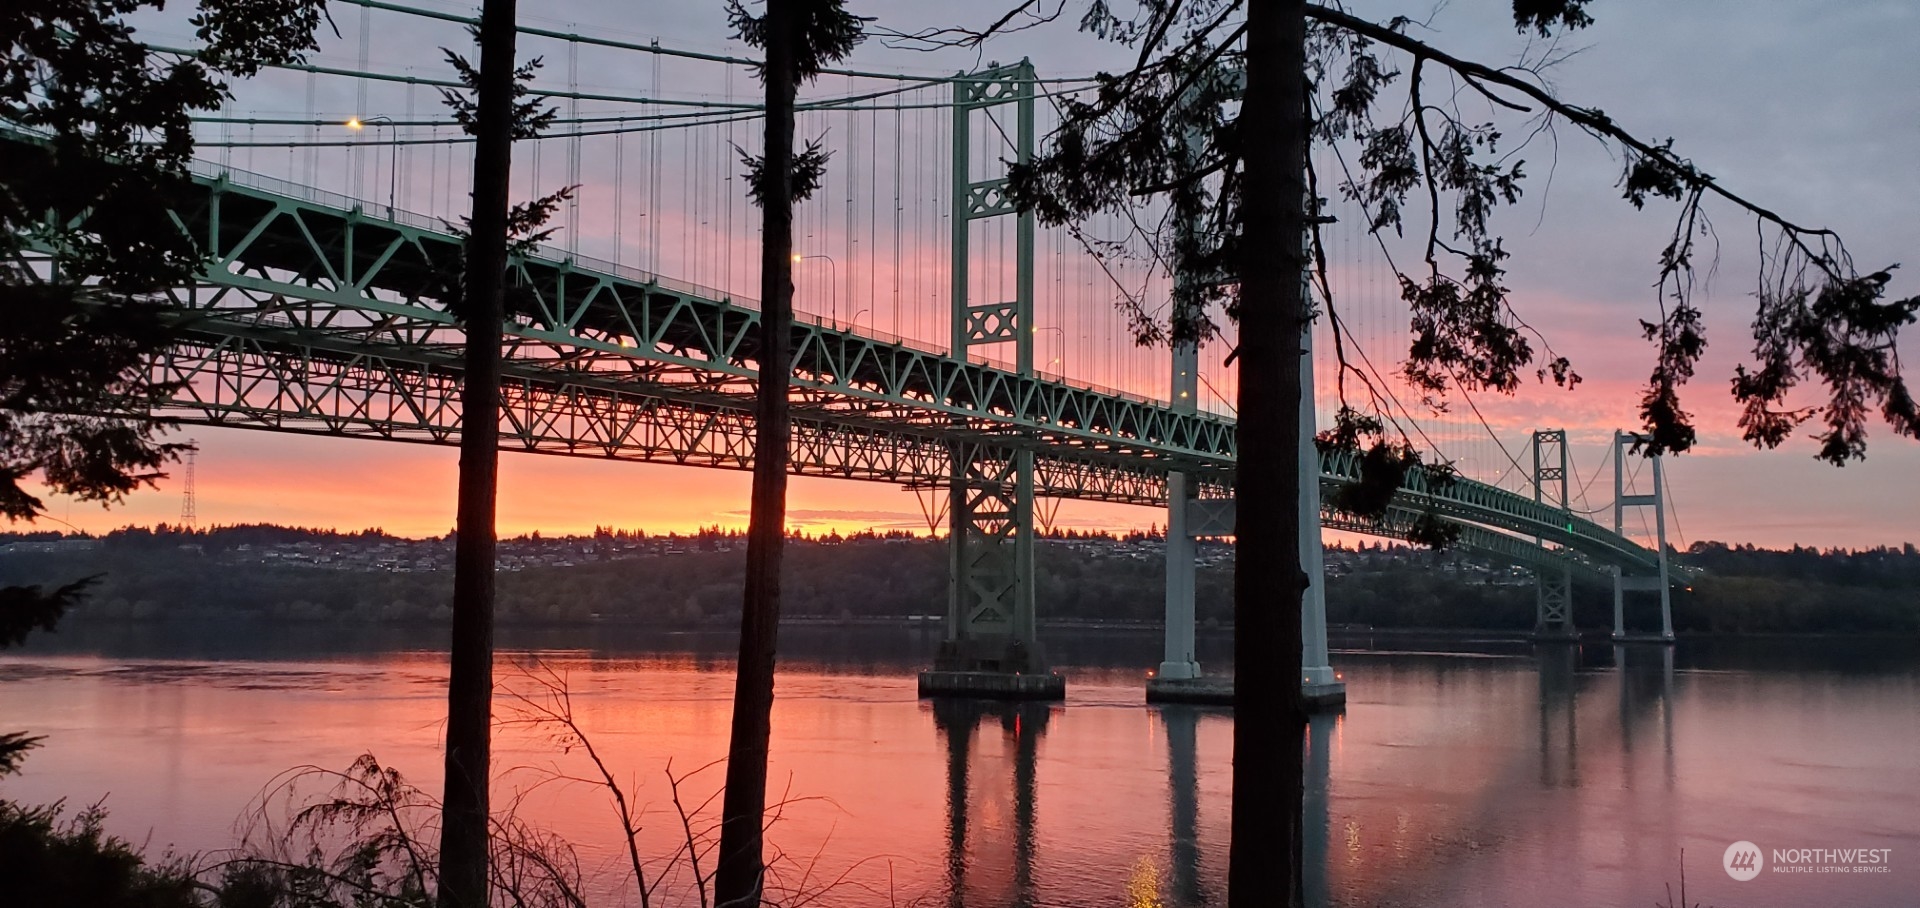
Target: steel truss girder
[
  {"x": 1467, "y": 501},
  {"x": 262, "y": 382},
  {"x": 1399, "y": 523},
  {"x": 329, "y": 267}
]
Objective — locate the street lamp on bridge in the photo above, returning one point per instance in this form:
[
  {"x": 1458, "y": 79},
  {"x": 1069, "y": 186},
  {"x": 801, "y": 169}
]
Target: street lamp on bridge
[
  {"x": 393, "y": 164},
  {"x": 1060, "y": 348},
  {"x": 833, "y": 283}
]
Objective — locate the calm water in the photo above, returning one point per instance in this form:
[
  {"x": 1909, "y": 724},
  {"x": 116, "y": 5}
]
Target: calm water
[{"x": 1496, "y": 777}]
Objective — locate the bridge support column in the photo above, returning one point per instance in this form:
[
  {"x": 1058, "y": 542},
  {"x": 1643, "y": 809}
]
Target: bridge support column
[
  {"x": 1178, "y": 679},
  {"x": 1179, "y": 663},
  {"x": 1662, "y": 583},
  {"x": 1318, "y": 683},
  {"x": 992, "y": 647},
  {"x": 1553, "y": 589},
  {"x": 1619, "y": 604}
]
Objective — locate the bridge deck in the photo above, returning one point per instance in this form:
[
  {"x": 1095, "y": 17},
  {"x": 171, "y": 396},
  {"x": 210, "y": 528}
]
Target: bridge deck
[{"x": 313, "y": 315}]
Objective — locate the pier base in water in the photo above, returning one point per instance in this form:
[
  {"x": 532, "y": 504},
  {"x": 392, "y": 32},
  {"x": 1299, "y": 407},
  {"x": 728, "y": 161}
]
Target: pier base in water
[
  {"x": 993, "y": 685},
  {"x": 1643, "y": 638},
  {"x": 1327, "y": 697}
]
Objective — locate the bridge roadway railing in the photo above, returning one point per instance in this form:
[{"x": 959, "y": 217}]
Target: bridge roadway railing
[{"x": 316, "y": 316}]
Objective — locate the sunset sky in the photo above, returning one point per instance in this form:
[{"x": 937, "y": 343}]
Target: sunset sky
[{"x": 1807, "y": 107}]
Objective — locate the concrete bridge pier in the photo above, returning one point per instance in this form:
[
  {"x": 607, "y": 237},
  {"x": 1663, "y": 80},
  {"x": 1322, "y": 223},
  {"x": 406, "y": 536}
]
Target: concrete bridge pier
[
  {"x": 1179, "y": 663},
  {"x": 1179, "y": 679},
  {"x": 1319, "y": 684}
]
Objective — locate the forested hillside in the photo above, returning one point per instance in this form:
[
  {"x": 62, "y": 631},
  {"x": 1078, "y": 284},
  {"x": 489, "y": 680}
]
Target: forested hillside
[{"x": 290, "y": 574}]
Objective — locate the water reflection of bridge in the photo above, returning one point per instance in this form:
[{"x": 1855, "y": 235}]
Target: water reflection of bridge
[
  {"x": 1361, "y": 848},
  {"x": 990, "y": 827}
]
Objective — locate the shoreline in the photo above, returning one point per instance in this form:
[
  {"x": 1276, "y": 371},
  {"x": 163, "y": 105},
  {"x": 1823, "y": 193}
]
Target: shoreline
[{"x": 933, "y": 623}]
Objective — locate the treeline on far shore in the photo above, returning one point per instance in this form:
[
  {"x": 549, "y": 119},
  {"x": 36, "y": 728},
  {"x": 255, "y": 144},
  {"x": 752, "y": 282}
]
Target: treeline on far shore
[{"x": 695, "y": 580}]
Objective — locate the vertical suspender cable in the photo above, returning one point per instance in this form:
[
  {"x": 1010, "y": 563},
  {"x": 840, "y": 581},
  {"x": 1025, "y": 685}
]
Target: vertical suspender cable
[
  {"x": 403, "y": 154},
  {"x": 573, "y": 144},
  {"x": 896, "y": 216},
  {"x": 619, "y": 193},
  {"x": 357, "y": 189},
  {"x": 721, "y": 156}
]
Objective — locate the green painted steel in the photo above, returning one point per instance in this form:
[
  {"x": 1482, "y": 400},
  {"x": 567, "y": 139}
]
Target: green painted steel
[
  {"x": 314, "y": 316},
  {"x": 992, "y": 623}
]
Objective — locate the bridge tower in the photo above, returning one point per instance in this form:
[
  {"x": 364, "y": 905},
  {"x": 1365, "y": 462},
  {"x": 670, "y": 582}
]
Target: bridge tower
[
  {"x": 1184, "y": 517},
  {"x": 1657, "y": 500},
  {"x": 991, "y": 645},
  {"x": 1178, "y": 678},
  {"x": 1319, "y": 684},
  {"x": 1553, "y": 589}
]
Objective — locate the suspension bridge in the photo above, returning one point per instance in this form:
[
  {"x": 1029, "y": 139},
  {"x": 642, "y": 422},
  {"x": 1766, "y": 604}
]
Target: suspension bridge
[{"x": 317, "y": 312}]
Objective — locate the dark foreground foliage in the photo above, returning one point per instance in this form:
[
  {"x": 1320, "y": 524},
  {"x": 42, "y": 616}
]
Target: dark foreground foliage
[{"x": 56, "y": 860}]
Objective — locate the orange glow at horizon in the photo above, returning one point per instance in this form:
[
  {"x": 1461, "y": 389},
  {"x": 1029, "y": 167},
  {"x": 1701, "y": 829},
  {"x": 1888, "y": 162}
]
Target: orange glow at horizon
[{"x": 249, "y": 477}]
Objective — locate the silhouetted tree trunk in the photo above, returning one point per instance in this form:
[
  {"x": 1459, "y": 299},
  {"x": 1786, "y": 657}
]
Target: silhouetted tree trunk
[
  {"x": 1263, "y": 865},
  {"x": 463, "y": 831},
  {"x": 739, "y": 875}
]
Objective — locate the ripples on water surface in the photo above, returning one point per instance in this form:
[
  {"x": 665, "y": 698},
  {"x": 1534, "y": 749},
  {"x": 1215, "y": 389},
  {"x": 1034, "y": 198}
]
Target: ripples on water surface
[{"x": 1503, "y": 776}]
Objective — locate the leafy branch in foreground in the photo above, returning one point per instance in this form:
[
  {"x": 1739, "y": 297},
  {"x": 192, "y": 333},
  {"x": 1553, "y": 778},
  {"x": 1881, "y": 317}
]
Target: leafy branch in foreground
[
  {"x": 1819, "y": 319},
  {"x": 527, "y": 222},
  {"x": 1167, "y": 128},
  {"x": 24, "y": 609},
  {"x": 1384, "y": 467},
  {"x": 531, "y": 114},
  {"x": 98, "y": 136}
]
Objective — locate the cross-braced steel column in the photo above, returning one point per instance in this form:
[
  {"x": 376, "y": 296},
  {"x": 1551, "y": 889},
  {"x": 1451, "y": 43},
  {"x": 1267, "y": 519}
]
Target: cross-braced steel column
[
  {"x": 1657, "y": 500},
  {"x": 990, "y": 617},
  {"x": 990, "y": 610},
  {"x": 1553, "y": 590}
]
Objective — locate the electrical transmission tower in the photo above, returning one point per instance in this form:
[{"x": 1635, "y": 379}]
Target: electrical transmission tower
[{"x": 188, "y": 517}]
